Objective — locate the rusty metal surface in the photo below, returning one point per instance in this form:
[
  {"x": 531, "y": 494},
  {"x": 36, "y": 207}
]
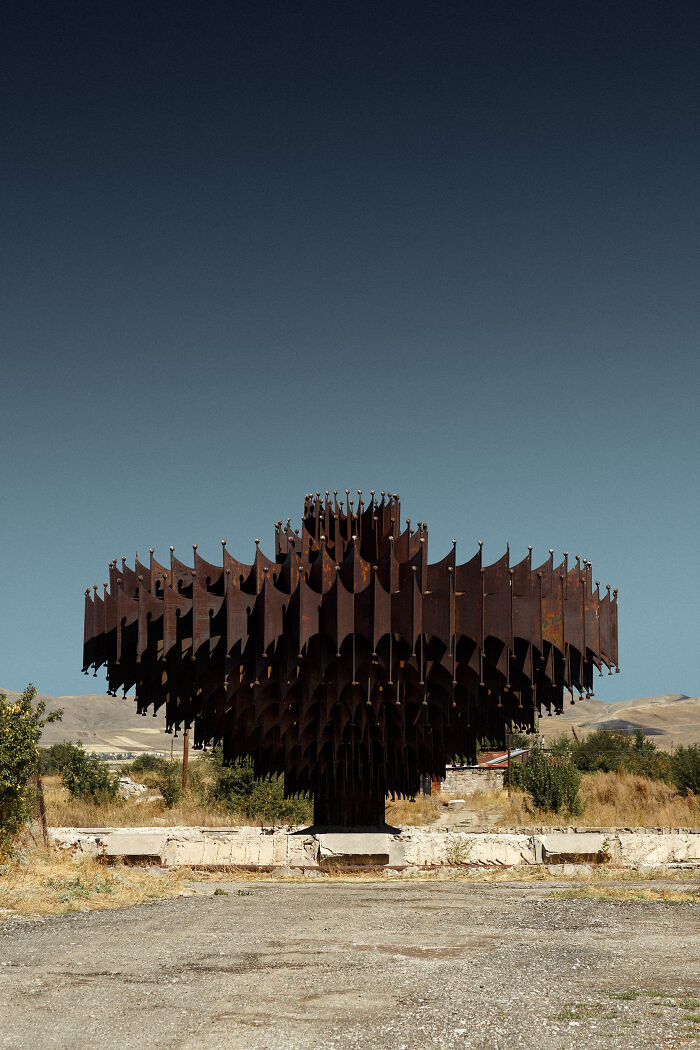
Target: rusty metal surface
[{"x": 350, "y": 663}]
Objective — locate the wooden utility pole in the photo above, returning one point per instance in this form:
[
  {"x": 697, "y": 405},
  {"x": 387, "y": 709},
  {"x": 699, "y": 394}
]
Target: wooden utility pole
[
  {"x": 509, "y": 763},
  {"x": 185, "y": 757},
  {"x": 42, "y": 806}
]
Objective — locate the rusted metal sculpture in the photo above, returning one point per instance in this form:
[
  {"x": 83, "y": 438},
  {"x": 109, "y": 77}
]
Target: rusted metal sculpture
[{"x": 349, "y": 663}]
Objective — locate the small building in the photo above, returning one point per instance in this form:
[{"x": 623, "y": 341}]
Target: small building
[{"x": 488, "y": 775}]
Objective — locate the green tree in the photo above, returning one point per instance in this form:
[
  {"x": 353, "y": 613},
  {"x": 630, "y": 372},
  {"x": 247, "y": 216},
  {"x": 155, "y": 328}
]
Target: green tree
[
  {"x": 686, "y": 768},
  {"x": 611, "y": 750},
  {"x": 21, "y": 723},
  {"x": 87, "y": 777},
  {"x": 148, "y": 764},
  {"x": 52, "y": 759}
]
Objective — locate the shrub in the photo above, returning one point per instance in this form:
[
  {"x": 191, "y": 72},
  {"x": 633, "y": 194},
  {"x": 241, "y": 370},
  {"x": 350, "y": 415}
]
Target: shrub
[
  {"x": 148, "y": 764},
  {"x": 238, "y": 789},
  {"x": 169, "y": 783},
  {"x": 148, "y": 770},
  {"x": 610, "y": 751},
  {"x": 87, "y": 777},
  {"x": 686, "y": 768},
  {"x": 552, "y": 785},
  {"x": 21, "y": 724},
  {"x": 53, "y": 759}
]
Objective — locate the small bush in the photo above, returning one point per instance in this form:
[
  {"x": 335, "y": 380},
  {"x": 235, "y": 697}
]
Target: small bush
[
  {"x": 21, "y": 724},
  {"x": 238, "y": 789},
  {"x": 552, "y": 785},
  {"x": 169, "y": 783},
  {"x": 686, "y": 768},
  {"x": 87, "y": 777},
  {"x": 148, "y": 770},
  {"x": 148, "y": 764},
  {"x": 52, "y": 759}
]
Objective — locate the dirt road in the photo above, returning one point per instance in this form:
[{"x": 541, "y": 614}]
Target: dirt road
[{"x": 397, "y": 966}]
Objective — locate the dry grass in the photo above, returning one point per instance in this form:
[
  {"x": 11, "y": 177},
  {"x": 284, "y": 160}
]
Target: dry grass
[
  {"x": 612, "y": 800},
  {"x": 65, "y": 812},
  {"x": 625, "y": 799},
  {"x": 631, "y": 893},
  {"x": 39, "y": 882},
  {"x": 424, "y": 810},
  {"x": 62, "y": 811}
]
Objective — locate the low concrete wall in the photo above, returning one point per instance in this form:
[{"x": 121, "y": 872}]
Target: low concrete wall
[
  {"x": 287, "y": 848},
  {"x": 465, "y": 780}
]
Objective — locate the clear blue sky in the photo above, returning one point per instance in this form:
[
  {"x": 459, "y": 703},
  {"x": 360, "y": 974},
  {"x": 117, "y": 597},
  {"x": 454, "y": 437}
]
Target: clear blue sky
[{"x": 254, "y": 250}]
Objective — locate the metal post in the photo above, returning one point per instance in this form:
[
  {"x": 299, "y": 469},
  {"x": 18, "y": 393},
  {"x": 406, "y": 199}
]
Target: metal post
[{"x": 185, "y": 758}]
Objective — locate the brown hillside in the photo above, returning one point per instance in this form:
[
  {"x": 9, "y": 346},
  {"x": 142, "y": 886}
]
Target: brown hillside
[
  {"x": 670, "y": 719},
  {"x": 104, "y": 723}
]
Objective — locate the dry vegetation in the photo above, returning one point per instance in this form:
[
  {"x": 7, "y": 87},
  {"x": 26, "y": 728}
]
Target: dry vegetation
[
  {"x": 38, "y": 882},
  {"x": 613, "y": 800},
  {"x": 685, "y": 895},
  {"x": 423, "y": 810},
  {"x": 62, "y": 811},
  {"x": 610, "y": 800}
]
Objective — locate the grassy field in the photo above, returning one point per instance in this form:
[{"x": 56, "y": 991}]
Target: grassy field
[
  {"x": 192, "y": 811},
  {"x": 610, "y": 800},
  {"x": 614, "y": 800},
  {"x": 62, "y": 811},
  {"x": 38, "y": 882}
]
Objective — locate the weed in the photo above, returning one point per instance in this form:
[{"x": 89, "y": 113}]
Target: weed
[
  {"x": 585, "y": 1011},
  {"x": 52, "y": 883},
  {"x": 457, "y": 851}
]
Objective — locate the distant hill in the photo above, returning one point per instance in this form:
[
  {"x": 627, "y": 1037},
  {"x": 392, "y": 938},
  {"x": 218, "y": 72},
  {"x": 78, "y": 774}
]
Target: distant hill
[
  {"x": 104, "y": 723},
  {"x": 670, "y": 719},
  {"x": 109, "y": 724}
]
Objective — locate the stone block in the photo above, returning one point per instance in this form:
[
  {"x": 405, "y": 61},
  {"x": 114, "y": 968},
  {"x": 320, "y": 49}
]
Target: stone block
[
  {"x": 572, "y": 847},
  {"x": 139, "y": 843},
  {"x": 355, "y": 847}
]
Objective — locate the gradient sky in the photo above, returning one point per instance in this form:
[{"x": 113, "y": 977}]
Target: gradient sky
[{"x": 251, "y": 250}]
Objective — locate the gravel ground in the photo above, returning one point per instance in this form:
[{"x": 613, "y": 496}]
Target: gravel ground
[{"x": 398, "y": 966}]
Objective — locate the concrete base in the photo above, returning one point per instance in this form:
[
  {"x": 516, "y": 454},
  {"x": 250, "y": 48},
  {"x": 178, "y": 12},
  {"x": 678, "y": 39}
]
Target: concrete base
[{"x": 294, "y": 848}]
